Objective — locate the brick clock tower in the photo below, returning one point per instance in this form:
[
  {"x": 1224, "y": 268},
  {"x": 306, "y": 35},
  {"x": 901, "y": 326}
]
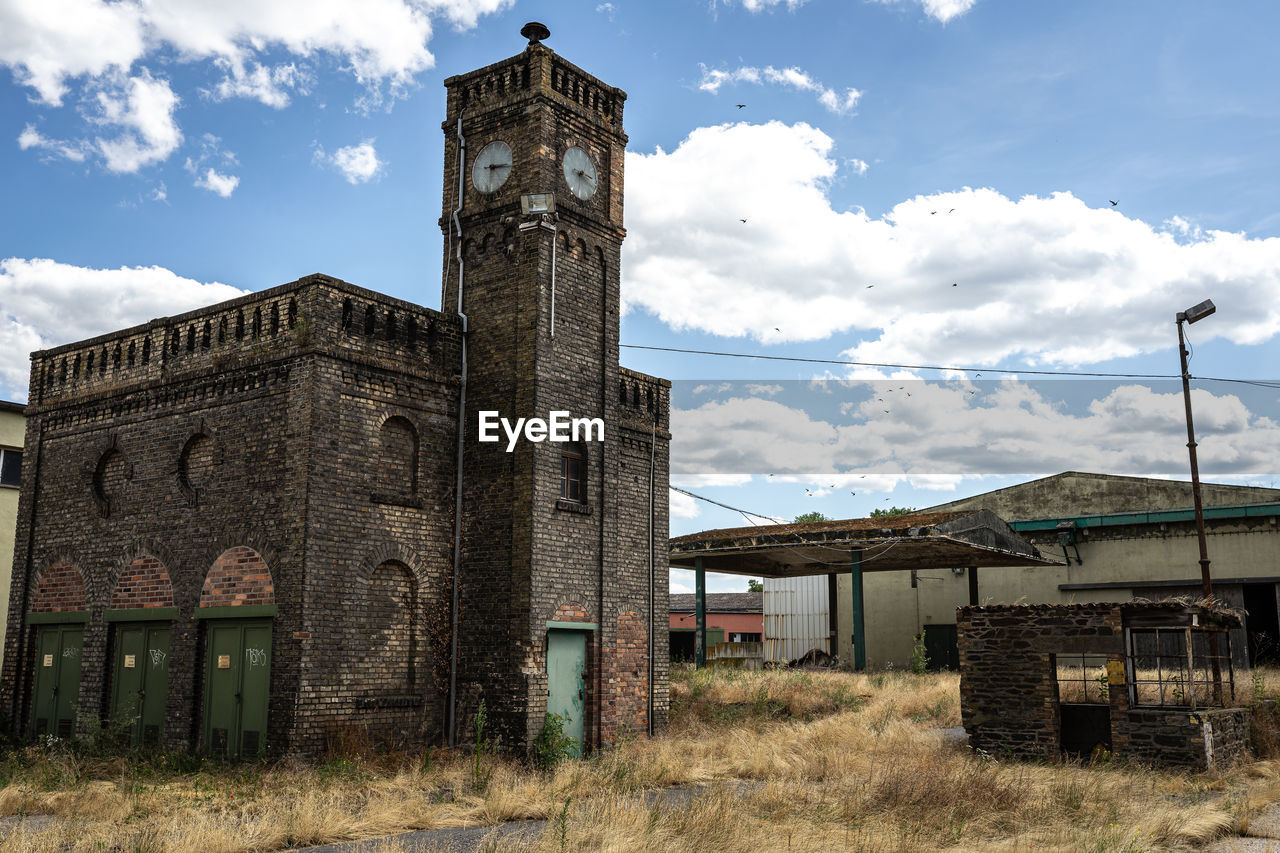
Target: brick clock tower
[{"x": 561, "y": 573}]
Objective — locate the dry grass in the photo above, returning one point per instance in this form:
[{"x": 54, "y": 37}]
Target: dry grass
[{"x": 784, "y": 760}]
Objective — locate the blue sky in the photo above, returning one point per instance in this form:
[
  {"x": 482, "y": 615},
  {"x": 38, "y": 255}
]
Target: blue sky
[{"x": 925, "y": 182}]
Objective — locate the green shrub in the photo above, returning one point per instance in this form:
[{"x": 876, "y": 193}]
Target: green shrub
[{"x": 553, "y": 745}]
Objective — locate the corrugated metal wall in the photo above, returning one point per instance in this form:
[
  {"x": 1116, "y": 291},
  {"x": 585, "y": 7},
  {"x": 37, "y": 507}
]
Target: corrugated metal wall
[{"x": 795, "y": 617}]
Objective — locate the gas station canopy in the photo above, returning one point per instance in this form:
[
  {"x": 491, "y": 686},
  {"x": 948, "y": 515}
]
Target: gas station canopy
[{"x": 935, "y": 540}]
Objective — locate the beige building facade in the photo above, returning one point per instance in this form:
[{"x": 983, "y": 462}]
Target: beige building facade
[
  {"x": 1124, "y": 538},
  {"x": 12, "y": 430}
]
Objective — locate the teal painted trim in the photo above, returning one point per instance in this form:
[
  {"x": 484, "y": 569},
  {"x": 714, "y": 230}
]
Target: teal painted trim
[
  {"x": 58, "y": 618},
  {"x": 1166, "y": 516},
  {"x": 141, "y": 614},
  {"x": 244, "y": 611},
  {"x": 859, "y": 628},
  {"x": 571, "y": 626}
]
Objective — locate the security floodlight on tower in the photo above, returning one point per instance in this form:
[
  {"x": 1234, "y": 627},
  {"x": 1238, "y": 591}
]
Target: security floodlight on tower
[
  {"x": 535, "y": 203},
  {"x": 1197, "y": 312}
]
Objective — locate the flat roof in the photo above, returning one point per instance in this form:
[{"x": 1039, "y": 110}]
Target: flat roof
[{"x": 891, "y": 543}]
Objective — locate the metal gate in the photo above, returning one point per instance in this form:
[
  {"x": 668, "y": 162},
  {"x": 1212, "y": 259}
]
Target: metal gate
[
  {"x": 140, "y": 681},
  {"x": 237, "y": 687},
  {"x": 57, "y": 679}
]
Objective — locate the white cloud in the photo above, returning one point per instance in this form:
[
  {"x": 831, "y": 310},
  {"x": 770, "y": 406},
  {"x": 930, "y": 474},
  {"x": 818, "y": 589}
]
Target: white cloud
[
  {"x": 946, "y": 431},
  {"x": 47, "y": 303},
  {"x": 53, "y": 45},
  {"x": 358, "y": 163},
  {"x": 47, "y": 41},
  {"x": 1040, "y": 279},
  {"x": 945, "y": 10},
  {"x": 140, "y": 111},
  {"x": 857, "y": 166},
  {"x": 207, "y": 177},
  {"x": 607, "y": 9},
  {"x": 268, "y": 84},
  {"x": 940, "y": 10},
  {"x": 32, "y": 138},
  {"x": 840, "y": 102},
  {"x": 214, "y": 181},
  {"x": 683, "y": 506},
  {"x": 763, "y": 5}
]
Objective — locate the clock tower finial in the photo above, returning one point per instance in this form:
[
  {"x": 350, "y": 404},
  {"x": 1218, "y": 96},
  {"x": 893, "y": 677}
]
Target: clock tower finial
[{"x": 535, "y": 32}]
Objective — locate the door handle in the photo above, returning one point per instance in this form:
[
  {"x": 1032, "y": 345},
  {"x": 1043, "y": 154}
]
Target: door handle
[
  {"x": 142, "y": 694},
  {"x": 237, "y": 697}
]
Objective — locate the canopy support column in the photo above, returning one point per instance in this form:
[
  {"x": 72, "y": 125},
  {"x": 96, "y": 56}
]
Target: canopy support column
[
  {"x": 700, "y": 614},
  {"x": 859, "y": 630}
]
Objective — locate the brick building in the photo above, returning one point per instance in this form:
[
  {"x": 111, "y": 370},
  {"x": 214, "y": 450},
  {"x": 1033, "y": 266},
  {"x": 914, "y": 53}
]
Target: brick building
[{"x": 239, "y": 527}]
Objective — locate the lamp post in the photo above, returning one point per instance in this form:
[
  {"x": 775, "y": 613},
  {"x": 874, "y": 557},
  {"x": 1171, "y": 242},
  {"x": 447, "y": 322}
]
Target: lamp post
[{"x": 1192, "y": 315}]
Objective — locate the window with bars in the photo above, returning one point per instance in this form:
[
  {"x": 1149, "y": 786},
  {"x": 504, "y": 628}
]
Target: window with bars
[
  {"x": 1185, "y": 667},
  {"x": 573, "y": 474},
  {"x": 1082, "y": 678}
]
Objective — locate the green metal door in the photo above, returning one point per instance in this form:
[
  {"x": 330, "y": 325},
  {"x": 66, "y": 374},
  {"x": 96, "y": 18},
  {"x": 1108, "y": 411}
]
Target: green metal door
[
  {"x": 57, "y": 679},
  {"x": 237, "y": 687},
  {"x": 140, "y": 681},
  {"x": 566, "y": 665}
]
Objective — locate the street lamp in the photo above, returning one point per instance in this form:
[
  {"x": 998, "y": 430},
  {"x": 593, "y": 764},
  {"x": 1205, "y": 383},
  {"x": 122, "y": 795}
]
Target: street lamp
[{"x": 1193, "y": 315}]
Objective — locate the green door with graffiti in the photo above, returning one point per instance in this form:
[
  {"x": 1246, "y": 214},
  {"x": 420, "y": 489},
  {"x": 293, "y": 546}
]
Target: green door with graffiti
[
  {"x": 57, "y": 679},
  {"x": 140, "y": 681},
  {"x": 237, "y": 687},
  {"x": 566, "y": 682}
]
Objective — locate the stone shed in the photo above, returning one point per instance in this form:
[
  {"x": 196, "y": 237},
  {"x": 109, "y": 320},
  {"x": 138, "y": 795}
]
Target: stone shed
[{"x": 1148, "y": 680}]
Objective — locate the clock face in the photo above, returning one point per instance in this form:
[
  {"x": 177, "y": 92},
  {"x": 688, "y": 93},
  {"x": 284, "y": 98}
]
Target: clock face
[
  {"x": 579, "y": 173},
  {"x": 492, "y": 167}
]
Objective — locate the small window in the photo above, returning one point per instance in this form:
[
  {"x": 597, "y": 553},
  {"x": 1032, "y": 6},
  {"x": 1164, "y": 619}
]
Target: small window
[
  {"x": 10, "y": 467},
  {"x": 573, "y": 474}
]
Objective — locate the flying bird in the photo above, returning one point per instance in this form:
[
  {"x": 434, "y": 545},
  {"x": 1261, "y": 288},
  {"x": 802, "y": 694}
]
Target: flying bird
[
  {"x": 742, "y": 220},
  {"x": 954, "y": 284},
  {"x": 853, "y": 493},
  {"x": 1113, "y": 203},
  {"x": 869, "y": 286},
  {"x": 740, "y": 106}
]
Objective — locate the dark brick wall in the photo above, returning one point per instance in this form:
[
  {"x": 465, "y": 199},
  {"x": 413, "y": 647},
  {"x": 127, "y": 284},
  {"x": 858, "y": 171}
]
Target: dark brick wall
[
  {"x": 527, "y": 554},
  {"x": 296, "y": 448},
  {"x": 1009, "y": 690}
]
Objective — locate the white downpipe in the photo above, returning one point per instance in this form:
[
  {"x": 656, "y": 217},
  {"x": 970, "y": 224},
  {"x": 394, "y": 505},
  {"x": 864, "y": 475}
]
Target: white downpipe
[{"x": 462, "y": 427}]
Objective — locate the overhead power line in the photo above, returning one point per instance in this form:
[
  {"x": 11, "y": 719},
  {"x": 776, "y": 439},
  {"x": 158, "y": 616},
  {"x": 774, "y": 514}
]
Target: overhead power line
[{"x": 1004, "y": 370}]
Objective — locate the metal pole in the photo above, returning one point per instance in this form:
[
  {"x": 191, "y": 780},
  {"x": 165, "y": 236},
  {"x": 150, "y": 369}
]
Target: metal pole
[
  {"x": 859, "y": 630},
  {"x": 973, "y": 586},
  {"x": 1205, "y": 581},
  {"x": 700, "y": 614}
]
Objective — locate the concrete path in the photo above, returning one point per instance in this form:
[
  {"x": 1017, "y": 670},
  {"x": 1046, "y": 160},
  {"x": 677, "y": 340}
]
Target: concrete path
[{"x": 1262, "y": 836}]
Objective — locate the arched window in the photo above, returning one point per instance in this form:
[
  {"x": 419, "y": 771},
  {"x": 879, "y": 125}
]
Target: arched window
[
  {"x": 573, "y": 473},
  {"x": 397, "y": 470},
  {"x": 390, "y": 637},
  {"x": 346, "y": 315},
  {"x": 370, "y": 320}
]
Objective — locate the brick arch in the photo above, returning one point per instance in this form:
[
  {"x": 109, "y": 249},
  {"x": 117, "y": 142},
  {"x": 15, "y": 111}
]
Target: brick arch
[
  {"x": 59, "y": 589},
  {"x": 238, "y": 577},
  {"x": 572, "y": 611},
  {"x": 144, "y": 582}
]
